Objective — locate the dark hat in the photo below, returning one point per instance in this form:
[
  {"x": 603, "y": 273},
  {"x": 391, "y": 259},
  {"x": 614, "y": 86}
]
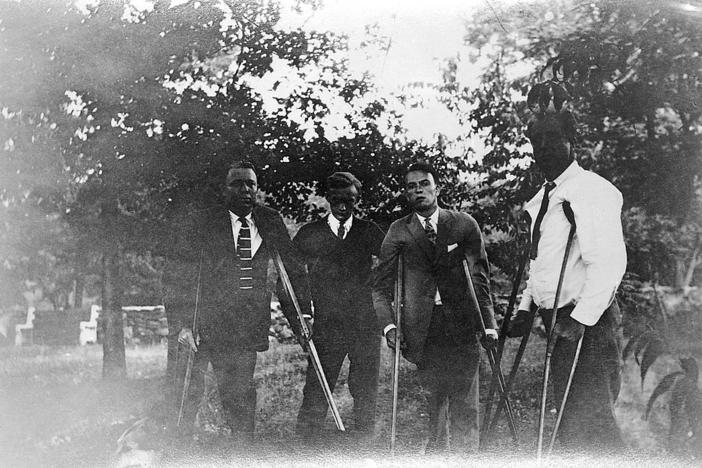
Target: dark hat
[{"x": 342, "y": 180}]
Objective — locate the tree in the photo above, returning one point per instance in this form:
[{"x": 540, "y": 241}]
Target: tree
[
  {"x": 633, "y": 70},
  {"x": 125, "y": 119}
]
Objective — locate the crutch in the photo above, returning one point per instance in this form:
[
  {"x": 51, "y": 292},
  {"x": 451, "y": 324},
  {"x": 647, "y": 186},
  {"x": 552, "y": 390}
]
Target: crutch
[
  {"x": 510, "y": 379},
  {"x": 307, "y": 339},
  {"x": 494, "y": 364},
  {"x": 547, "y": 365},
  {"x": 571, "y": 218},
  {"x": 399, "y": 295},
  {"x": 191, "y": 353},
  {"x": 486, "y": 430}
]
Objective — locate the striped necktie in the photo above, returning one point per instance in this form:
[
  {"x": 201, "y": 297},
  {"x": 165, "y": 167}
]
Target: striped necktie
[
  {"x": 341, "y": 232},
  {"x": 243, "y": 251},
  {"x": 429, "y": 231}
]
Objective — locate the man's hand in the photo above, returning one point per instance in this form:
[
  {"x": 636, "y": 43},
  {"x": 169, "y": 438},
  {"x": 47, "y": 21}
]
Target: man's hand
[
  {"x": 186, "y": 337},
  {"x": 309, "y": 321},
  {"x": 567, "y": 328},
  {"x": 391, "y": 339},
  {"x": 489, "y": 340},
  {"x": 303, "y": 338},
  {"x": 520, "y": 323}
]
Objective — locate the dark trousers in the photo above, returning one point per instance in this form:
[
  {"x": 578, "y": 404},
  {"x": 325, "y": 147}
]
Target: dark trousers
[
  {"x": 588, "y": 419},
  {"x": 234, "y": 371},
  {"x": 363, "y": 350},
  {"x": 448, "y": 371}
]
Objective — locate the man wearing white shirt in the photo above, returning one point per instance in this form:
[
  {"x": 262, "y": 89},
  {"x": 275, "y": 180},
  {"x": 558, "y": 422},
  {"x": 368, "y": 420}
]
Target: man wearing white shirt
[
  {"x": 338, "y": 250},
  {"x": 234, "y": 241},
  {"x": 593, "y": 271},
  {"x": 439, "y": 321}
]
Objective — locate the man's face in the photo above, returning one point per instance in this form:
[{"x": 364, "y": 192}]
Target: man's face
[
  {"x": 342, "y": 202},
  {"x": 240, "y": 190},
  {"x": 421, "y": 191},
  {"x": 552, "y": 150}
]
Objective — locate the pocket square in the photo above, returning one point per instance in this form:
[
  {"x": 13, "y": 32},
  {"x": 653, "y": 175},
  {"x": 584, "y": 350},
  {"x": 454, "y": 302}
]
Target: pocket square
[{"x": 451, "y": 247}]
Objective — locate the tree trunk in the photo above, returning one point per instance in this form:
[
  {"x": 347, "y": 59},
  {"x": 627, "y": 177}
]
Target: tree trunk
[
  {"x": 78, "y": 293},
  {"x": 694, "y": 262},
  {"x": 114, "y": 365}
]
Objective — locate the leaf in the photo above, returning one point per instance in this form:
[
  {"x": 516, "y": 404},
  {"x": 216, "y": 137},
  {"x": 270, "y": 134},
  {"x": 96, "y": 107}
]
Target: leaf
[
  {"x": 693, "y": 406},
  {"x": 678, "y": 397},
  {"x": 655, "y": 348},
  {"x": 544, "y": 97},
  {"x": 533, "y": 96},
  {"x": 642, "y": 342},
  {"x": 663, "y": 386},
  {"x": 549, "y": 62},
  {"x": 560, "y": 95},
  {"x": 689, "y": 365},
  {"x": 630, "y": 346}
]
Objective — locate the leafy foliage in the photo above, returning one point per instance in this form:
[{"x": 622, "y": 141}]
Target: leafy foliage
[
  {"x": 646, "y": 348},
  {"x": 685, "y": 406},
  {"x": 633, "y": 71},
  {"x": 124, "y": 119}
]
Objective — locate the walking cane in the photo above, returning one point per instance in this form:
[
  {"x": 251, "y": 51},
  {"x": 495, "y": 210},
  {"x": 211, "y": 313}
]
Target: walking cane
[
  {"x": 571, "y": 218},
  {"x": 494, "y": 364},
  {"x": 191, "y": 353},
  {"x": 547, "y": 365},
  {"x": 486, "y": 430},
  {"x": 399, "y": 294}
]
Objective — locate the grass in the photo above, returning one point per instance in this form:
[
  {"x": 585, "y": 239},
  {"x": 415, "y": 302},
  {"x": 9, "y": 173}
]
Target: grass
[{"x": 55, "y": 410}]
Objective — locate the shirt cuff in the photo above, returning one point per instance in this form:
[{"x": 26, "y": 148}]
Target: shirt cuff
[
  {"x": 525, "y": 303},
  {"x": 588, "y": 316},
  {"x": 388, "y": 328}
]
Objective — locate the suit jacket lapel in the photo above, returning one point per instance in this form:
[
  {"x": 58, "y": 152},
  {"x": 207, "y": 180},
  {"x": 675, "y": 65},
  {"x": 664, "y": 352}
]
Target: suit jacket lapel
[
  {"x": 417, "y": 231},
  {"x": 223, "y": 228},
  {"x": 262, "y": 221},
  {"x": 443, "y": 229}
]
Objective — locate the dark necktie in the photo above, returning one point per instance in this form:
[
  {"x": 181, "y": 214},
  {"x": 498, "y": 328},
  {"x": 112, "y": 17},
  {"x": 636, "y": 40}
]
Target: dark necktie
[
  {"x": 536, "y": 233},
  {"x": 243, "y": 251},
  {"x": 430, "y": 232},
  {"x": 341, "y": 232}
]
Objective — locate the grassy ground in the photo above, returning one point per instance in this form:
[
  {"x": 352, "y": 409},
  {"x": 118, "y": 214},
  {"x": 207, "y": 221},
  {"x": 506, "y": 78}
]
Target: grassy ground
[{"x": 56, "y": 411}]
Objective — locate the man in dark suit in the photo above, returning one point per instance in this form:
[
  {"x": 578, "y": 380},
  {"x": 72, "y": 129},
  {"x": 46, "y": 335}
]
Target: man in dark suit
[
  {"x": 439, "y": 321},
  {"x": 339, "y": 250},
  {"x": 235, "y": 243}
]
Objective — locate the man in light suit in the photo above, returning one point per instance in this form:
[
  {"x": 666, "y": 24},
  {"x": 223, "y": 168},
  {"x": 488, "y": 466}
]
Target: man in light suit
[{"x": 439, "y": 322}]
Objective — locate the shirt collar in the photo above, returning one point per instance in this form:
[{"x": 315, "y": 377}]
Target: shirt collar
[
  {"x": 433, "y": 218},
  {"x": 570, "y": 171},
  {"x": 334, "y": 223},
  {"x": 235, "y": 217}
]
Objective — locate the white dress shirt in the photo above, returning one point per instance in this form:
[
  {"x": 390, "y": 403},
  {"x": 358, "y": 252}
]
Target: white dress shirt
[
  {"x": 334, "y": 225},
  {"x": 597, "y": 258},
  {"x": 256, "y": 239}
]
